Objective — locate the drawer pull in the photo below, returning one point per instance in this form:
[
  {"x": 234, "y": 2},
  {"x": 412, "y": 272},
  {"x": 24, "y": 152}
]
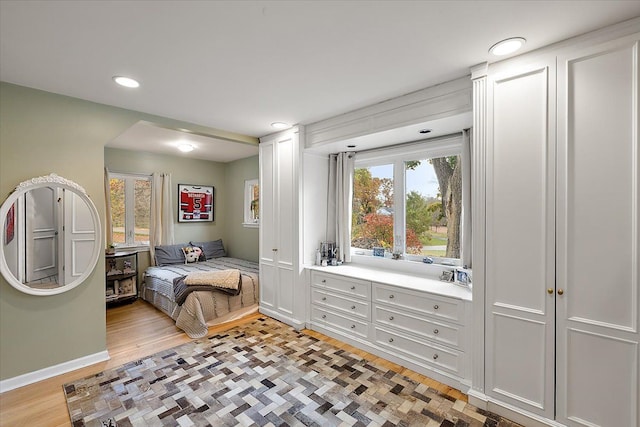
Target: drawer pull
[
  {"x": 435, "y": 356},
  {"x": 391, "y": 296},
  {"x": 390, "y": 339},
  {"x": 353, "y": 326},
  {"x": 324, "y": 316},
  {"x": 324, "y": 298},
  {"x": 435, "y": 307},
  {"x": 391, "y": 317},
  {"x": 435, "y": 331},
  {"x": 324, "y": 280},
  {"x": 353, "y": 288},
  {"x": 353, "y": 307}
]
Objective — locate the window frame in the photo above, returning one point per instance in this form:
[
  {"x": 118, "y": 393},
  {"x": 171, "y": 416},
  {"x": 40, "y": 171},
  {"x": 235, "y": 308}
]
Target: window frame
[
  {"x": 397, "y": 156},
  {"x": 129, "y": 203}
]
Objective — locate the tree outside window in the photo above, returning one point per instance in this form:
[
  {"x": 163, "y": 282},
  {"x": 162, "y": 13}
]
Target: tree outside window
[
  {"x": 130, "y": 198},
  {"x": 430, "y": 207}
]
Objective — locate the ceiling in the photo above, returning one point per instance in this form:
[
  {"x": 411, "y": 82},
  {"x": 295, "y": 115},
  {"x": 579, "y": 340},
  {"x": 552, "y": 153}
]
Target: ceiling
[{"x": 238, "y": 66}]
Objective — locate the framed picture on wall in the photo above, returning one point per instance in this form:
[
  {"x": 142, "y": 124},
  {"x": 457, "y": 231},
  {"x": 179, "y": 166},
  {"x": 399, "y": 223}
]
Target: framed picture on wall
[{"x": 195, "y": 203}]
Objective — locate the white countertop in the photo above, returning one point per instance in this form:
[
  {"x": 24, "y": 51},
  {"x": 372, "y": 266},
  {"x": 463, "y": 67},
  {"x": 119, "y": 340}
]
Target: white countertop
[{"x": 394, "y": 278}]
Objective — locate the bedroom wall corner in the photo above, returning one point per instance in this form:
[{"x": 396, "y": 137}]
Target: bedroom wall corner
[{"x": 240, "y": 242}]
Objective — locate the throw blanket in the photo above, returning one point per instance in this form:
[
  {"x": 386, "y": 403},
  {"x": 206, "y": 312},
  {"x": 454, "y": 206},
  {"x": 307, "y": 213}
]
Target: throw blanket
[{"x": 226, "y": 281}]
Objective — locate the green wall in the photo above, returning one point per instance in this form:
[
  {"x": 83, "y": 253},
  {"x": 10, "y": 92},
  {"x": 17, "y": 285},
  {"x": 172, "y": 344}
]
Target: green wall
[
  {"x": 41, "y": 133},
  {"x": 243, "y": 241}
]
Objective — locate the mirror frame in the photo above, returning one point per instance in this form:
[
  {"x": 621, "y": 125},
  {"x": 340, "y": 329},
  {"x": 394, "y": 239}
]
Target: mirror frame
[{"x": 51, "y": 180}]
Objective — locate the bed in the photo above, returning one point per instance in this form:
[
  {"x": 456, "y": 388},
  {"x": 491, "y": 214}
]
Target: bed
[{"x": 195, "y": 308}]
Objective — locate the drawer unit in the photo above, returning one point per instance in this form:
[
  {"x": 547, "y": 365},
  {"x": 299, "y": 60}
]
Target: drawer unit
[
  {"x": 443, "y": 358},
  {"x": 331, "y": 301},
  {"x": 449, "y": 309},
  {"x": 345, "y": 285},
  {"x": 443, "y": 333},
  {"x": 332, "y": 320}
]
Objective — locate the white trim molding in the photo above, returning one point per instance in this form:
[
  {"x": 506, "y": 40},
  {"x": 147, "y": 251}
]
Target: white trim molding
[{"x": 52, "y": 371}]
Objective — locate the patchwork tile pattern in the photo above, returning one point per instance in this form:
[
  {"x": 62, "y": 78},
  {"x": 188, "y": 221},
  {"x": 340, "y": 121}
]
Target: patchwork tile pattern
[{"x": 263, "y": 374}]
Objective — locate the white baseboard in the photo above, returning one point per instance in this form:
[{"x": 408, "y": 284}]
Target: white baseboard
[
  {"x": 296, "y": 324},
  {"x": 520, "y": 416},
  {"x": 52, "y": 371}
]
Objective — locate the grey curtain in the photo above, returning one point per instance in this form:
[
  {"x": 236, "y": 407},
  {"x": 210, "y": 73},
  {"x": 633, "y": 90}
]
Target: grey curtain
[
  {"x": 339, "y": 203},
  {"x": 466, "y": 198}
]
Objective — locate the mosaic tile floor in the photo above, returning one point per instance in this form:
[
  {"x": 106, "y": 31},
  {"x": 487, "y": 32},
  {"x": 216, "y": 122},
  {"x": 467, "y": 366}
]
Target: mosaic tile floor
[{"x": 263, "y": 374}]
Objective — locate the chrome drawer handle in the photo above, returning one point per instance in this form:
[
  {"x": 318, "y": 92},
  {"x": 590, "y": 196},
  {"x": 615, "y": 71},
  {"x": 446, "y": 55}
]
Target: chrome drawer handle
[
  {"x": 435, "y": 331},
  {"x": 324, "y": 316},
  {"x": 353, "y": 287},
  {"x": 391, "y": 296},
  {"x": 353, "y": 326},
  {"x": 390, "y": 339},
  {"x": 353, "y": 307},
  {"x": 390, "y": 317},
  {"x": 435, "y": 356},
  {"x": 435, "y": 307}
]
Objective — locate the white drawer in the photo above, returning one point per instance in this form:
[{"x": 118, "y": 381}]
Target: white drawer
[
  {"x": 353, "y": 287},
  {"x": 446, "y": 308},
  {"x": 443, "y": 358},
  {"x": 447, "y": 334},
  {"x": 332, "y": 320},
  {"x": 331, "y": 301}
]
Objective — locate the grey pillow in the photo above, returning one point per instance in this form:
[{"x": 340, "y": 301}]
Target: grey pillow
[
  {"x": 169, "y": 254},
  {"x": 211, "y": 249}
]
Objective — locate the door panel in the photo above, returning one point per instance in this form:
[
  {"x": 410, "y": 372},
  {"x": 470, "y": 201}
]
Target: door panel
[
  {"x": 286, "y": 210},
  {"x": 520, "y": 240},
  {"x": 598, "y": 233},
  {"x": 79, "y": 236},
  {"x": 41, "y": 213}
]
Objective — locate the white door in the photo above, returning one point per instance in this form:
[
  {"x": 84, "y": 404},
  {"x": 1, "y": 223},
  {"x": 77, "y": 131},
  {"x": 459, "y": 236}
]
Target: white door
[
  {"x": 520, "y": 239},
  {"x": 286, "y": 222},
  {"x": 268, "y": 227},
  {"x": 598, "y": 235},
  {"x": 41, "y": 219},
  {"x": 79, "y": 236}
]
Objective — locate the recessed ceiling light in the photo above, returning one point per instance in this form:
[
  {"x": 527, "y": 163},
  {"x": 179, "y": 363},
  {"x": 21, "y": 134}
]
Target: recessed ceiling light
[
  {"x": 185, "y": 148},
  {"x": 126, "y": 81},
  {"x": 424, "y": 131},
  {"x": 280, "y": 125},
  {"x": 507, "y": 46}
]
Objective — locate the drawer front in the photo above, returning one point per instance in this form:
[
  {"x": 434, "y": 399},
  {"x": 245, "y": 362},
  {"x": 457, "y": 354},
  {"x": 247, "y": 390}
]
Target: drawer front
[
  {"x": 446, "y": 359},
  {"x": 442, "y": 333},
  {"x": 350, "y": 326},
  {"x": 445, "y": 308},
  {"x": 332, "y": 282},
  {"x": 331, "y": 301}
]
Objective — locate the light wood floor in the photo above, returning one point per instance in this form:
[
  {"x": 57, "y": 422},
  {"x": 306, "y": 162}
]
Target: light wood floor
[{"x": 135, "y": 331}]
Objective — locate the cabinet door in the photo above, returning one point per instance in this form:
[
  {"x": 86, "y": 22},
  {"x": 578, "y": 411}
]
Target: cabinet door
[
  {"x": 598, "y": 234},
  {"x": 520, "y": 239},
  {"x": 279, "y": 225}
]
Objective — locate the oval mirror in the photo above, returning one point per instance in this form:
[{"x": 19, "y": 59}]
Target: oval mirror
[{"x": 51, "y": 236}]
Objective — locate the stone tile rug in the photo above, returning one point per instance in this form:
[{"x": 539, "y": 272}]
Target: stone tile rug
[{"x": 263, "y": 374}]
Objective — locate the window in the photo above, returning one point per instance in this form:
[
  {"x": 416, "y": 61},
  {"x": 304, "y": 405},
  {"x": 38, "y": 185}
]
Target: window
[
  {"x": 408, "y": 201},
  {"x": 251, "y": 203},
  {"x": 130, "y": 209}
]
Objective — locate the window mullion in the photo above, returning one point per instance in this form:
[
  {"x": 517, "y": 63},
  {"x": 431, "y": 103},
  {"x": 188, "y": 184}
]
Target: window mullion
[
  {"x": 399, "y": 208},
  {"x": 129, "y": 191}
]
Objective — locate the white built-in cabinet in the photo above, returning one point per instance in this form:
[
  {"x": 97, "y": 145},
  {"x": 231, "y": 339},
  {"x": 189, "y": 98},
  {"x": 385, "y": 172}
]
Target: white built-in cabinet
[
  {"x": 561, "y": 283},
  {"x": 417, "y": 322},
  {"x": 282, "y": 293}
]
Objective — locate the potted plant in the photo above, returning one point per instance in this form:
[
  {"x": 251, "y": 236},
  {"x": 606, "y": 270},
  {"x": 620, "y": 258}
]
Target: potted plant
[{"x": 111, "y": 249}]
